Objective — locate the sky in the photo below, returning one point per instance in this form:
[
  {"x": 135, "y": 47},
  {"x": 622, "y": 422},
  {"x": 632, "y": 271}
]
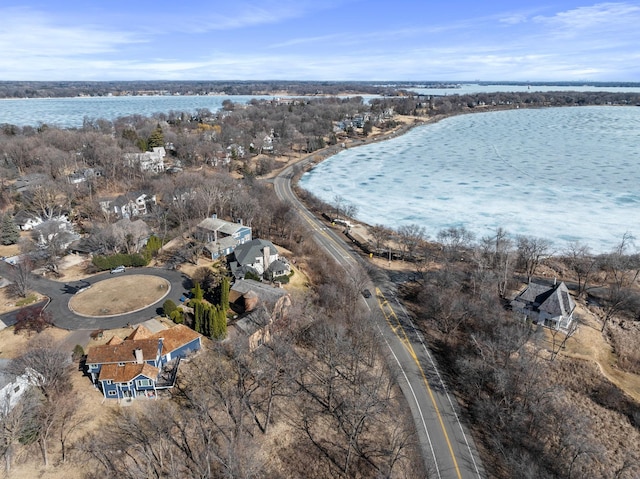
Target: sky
[{"x": 339, "y": 40}]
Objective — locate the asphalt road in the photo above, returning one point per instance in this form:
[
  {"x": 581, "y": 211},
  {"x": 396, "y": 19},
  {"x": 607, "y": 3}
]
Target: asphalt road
[
  {"x": 447, "y": 446},
  {"x": 60, "y": 293}
]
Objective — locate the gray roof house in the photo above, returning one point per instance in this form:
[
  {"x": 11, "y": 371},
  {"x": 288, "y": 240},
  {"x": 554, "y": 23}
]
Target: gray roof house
[
  {"x": 26, "y": 221},
  {"x": 259, "y": 306},
  {"x": 551, "y": 306},
  {"x": 222, "y": 237},
  {"x": 259, "y": 256},
  {"x": 128, "y": 205},
  {"x": 28, "y": 182}
]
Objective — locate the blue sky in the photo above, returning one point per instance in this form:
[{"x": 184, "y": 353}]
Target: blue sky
[{"x": 417, "y": 40}]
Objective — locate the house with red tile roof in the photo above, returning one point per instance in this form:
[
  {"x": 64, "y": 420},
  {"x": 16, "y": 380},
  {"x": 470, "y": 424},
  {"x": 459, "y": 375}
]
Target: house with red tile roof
[{"x": 142, "y": 363}]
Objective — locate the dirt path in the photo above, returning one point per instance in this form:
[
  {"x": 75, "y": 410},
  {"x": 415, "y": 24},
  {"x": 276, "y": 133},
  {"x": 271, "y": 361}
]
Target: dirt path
[{"x": 589, "y": 344}]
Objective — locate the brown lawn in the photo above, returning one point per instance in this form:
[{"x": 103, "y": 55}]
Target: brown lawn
[{"x": 120, "y": 295}]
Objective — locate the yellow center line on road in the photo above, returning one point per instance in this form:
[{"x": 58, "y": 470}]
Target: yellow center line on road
[{"x": 388, "y": 316}]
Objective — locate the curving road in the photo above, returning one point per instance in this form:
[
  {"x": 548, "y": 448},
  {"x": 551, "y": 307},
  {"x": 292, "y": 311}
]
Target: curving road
[
  {"x": 447, "y": 446},
  {"x": 59, "y": 294}
]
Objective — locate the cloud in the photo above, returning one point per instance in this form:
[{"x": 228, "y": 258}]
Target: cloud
[
  {"x": 594, "y": 42},
  {"x": 602, "y": 16},
  {"x": 513, "y": 19},
  {"x": 240, "y": 15},
  {"x": 26, "y": 33}
]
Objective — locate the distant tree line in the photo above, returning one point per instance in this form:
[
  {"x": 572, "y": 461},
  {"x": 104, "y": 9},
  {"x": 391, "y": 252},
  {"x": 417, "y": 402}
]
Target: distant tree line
[{"x": 58, "y": 89}]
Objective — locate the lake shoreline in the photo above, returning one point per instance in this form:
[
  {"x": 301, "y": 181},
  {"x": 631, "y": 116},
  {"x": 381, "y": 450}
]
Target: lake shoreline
[{"x": 600, "y": 236}]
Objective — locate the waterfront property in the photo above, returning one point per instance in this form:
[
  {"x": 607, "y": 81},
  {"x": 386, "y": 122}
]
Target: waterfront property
[{"x": 550, "y": 306}]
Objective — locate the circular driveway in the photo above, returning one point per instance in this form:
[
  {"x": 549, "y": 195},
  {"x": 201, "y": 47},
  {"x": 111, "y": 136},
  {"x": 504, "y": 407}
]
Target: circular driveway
[
  {"x": 60, "y": 293},
  {"x": 122, "y": 294}
]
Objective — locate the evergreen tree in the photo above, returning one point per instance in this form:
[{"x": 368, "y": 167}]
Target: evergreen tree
[
  {"x": 197, "y": 316},
  {"x": 9, "y": 231},
  {"x": 220, "y": 324},
  {"x": 153, "y": 245},
  {"x": 211, "y": 319},
  {"x": 224, "y": 294},
  {"x": 223, "y": 324},
  {"x": 198, "y": 293},
  {"x": 156, "y": 138}
]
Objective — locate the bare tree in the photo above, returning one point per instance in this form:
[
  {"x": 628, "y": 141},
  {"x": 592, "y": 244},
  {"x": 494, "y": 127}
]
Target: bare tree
[
  {"x": 70, "y": 418},
  {"x": 381, "y": 235},
  {"x": 582, "y": 263},
  {"x": 52, "y": 364},
  {"x": 622, "y": 270},
  {"x": 45, "y": 200},
  {"x": 410, "y": 237},
  {"x": 14, "y": 422},
  {"x": 443, "y": 304},
  {"x": 531, "y": 251},
  {"x": 21, "y": 277},
  {"x": 559, "y": 338},
  {"x": 454, "y": 239}
]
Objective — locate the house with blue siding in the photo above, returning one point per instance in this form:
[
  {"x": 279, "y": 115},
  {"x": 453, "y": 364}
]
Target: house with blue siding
[
  {"x": 142, "y": 363},
  {"x": 221, "y": 237}
]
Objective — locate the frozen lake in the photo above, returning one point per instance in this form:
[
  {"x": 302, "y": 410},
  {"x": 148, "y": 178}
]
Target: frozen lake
[{"x": 566, "y": 174}]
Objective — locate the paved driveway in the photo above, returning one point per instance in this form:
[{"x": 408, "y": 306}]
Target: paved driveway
[{"x": 60, "y": 293}]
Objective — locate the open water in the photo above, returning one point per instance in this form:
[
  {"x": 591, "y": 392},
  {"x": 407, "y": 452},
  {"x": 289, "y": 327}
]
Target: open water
[{"x": 565, "y": 174}]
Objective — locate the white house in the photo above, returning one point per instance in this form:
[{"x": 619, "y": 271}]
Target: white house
[
  {"x": 129, "y": 205},
  {"x": 12, "y": 387},
  {"x": 222, "y": 237},
  {"x": 152, "y": 161},
  {"x": 26, "y": 221},
  {"x": 57, "y": 231}
]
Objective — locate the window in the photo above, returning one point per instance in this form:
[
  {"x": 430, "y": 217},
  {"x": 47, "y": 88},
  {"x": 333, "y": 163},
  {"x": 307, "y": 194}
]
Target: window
[
  {"x": 143, "y": 382},
  {"x": 111, "y": 393},
  {"x": 120, "y": 364},
  {"x": 109, "y": 381}
]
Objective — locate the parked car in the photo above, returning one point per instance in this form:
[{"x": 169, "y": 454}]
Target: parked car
[{"x": 118, "y": 269}]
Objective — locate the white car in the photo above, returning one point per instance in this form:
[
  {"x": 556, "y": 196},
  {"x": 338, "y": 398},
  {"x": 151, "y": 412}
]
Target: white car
[{"x": 118, "y": 269}]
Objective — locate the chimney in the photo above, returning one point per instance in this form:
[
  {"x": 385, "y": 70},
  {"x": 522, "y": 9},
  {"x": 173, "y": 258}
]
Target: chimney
[
  {"x": 265, "y": 257},
  {"x": 555, "y": 281},
  {"x": 139, "y": 356}
]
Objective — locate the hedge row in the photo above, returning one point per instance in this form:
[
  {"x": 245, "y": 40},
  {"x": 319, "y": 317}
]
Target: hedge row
[{"x": 103, "y": 263}]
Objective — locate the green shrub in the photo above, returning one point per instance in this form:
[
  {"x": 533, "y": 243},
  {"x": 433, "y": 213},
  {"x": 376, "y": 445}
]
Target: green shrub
[
  {"x": 78, "y": 352},
  {"x": 252, "y": 275},
  {"x": 176, "y": 316},
  {"x": 284, "y": 279},
  {"x": 168, "y": 307},
  {"x": 104, "y": 263},
  {"x": 28, "y": 300}
]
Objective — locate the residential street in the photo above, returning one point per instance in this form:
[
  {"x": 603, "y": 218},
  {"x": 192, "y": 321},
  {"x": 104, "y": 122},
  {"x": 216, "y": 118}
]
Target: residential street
[{"x": 60, "y": 293}]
